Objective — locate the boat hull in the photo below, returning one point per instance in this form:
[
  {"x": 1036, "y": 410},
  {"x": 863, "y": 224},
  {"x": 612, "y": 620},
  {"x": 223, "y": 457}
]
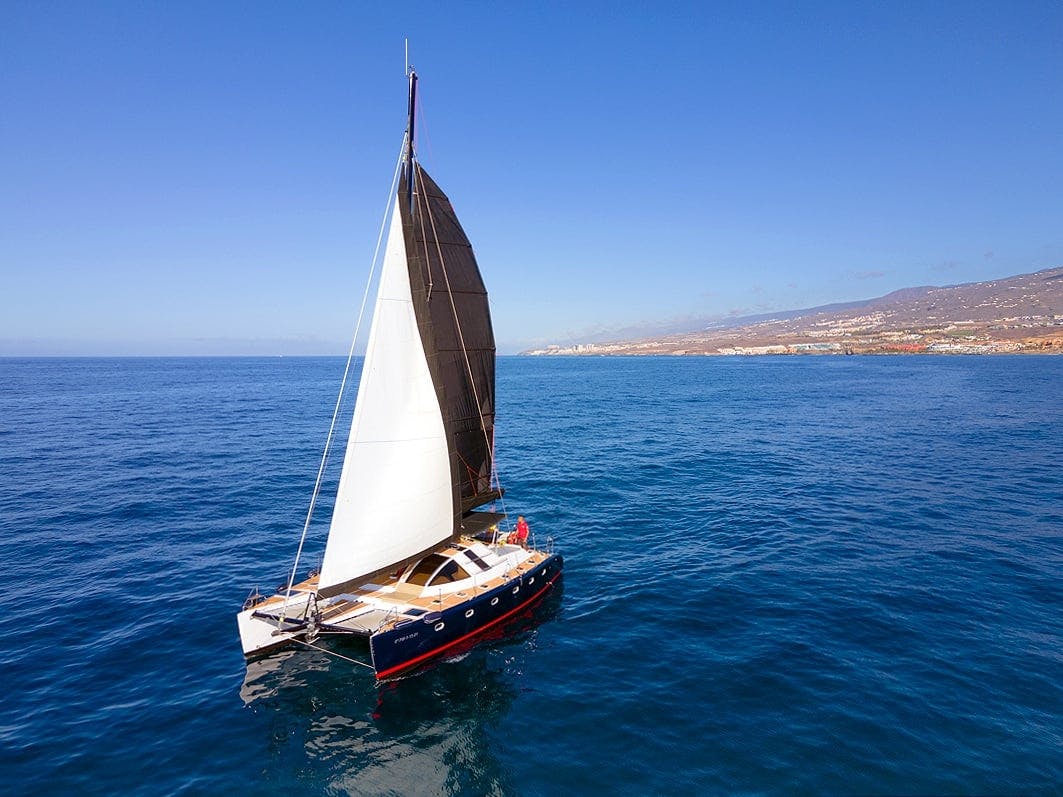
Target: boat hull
[{"x": 413, "y": 642}]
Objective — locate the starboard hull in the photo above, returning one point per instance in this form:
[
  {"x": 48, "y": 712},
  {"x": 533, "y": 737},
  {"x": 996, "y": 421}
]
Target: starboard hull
[{"x": 416, "y": 641}]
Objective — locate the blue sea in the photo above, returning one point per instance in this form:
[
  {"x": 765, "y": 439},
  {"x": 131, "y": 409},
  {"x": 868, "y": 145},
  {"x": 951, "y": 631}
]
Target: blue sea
[{"x": 819, "y": 575}]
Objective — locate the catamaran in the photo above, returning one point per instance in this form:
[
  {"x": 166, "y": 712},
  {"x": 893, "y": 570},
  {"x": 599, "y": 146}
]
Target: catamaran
[{"x": 418, "y": 559}]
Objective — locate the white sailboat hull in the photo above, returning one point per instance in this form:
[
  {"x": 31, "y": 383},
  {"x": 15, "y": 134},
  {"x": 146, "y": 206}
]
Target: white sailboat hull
[{"x": 260, "y": 632}]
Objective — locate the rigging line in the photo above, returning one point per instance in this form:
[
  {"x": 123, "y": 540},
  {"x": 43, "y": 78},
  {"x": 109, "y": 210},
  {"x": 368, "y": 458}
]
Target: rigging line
[
  {"x": 343, "y": 387},
  {"x": 424, "y": 235},
  {"x": 464, "y": 351},
  {"x": 333, "y": 653}
]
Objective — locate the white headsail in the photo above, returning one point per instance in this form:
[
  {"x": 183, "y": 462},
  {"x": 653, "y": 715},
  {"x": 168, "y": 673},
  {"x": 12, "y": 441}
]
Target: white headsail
[{"x": 395, "y": 494}]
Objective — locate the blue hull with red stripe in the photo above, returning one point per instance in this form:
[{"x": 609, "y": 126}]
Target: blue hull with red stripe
[{"x": 416, "y": 641}]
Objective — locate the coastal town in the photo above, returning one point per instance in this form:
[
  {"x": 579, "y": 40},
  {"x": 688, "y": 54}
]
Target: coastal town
[{"x": 1021, "y": 314}]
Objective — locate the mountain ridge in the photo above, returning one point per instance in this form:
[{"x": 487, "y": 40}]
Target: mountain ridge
[{"x": 1021, "y": 313}]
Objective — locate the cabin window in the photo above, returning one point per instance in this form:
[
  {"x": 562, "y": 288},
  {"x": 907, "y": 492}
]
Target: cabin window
[
  {"x": 425, "y": 568},
  {"x": 476, "y": 559},
  {"x": 448, "y": 573}
]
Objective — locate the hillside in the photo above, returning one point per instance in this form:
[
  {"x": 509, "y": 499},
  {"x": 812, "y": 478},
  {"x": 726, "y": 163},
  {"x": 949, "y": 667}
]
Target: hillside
[{"x": 1017, "y": 314}]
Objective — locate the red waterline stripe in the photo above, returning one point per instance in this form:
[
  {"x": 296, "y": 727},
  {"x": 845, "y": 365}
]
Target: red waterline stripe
[{"x": 413, "y": 662}]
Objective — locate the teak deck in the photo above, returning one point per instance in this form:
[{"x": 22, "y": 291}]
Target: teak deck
[{"x": 405, "y": 596}]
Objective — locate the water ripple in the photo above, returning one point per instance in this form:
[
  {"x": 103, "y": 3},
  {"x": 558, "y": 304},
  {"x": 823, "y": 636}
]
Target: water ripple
[{"x": 825, "y": 575}]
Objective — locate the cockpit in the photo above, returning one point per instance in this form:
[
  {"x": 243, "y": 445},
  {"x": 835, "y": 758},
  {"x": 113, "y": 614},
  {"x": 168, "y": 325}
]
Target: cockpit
[{"x": 458, "y": 563}]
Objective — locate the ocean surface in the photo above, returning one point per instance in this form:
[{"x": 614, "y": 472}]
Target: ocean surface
[{"x": 832, "y": 575}]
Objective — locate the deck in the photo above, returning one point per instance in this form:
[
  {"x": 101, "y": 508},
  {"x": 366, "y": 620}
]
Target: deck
[{"x": 377, "y": 608}]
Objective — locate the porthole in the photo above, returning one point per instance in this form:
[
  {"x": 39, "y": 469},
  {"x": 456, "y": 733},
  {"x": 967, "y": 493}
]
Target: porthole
[
  {"x": 470, "y": 613},
  {"x": 439, "y": 626},
  {"x": 516, "y": 590},
  {"x": 531, "y": 580},
  {"x": 494, "y": 601}
]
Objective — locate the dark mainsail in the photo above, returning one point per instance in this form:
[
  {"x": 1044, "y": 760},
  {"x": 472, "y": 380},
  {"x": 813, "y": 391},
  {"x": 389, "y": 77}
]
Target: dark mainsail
[{"x": 454, "y": 320}]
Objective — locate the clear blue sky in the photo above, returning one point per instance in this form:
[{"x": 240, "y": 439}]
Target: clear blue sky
[{"x": 210, "y": 177}]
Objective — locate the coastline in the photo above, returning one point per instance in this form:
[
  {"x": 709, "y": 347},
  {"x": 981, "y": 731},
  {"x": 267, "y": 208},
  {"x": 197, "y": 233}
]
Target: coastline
[{"x": 1041, "y": 346}]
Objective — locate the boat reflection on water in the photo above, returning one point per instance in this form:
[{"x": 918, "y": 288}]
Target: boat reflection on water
[{"x": 330, "y": 725}]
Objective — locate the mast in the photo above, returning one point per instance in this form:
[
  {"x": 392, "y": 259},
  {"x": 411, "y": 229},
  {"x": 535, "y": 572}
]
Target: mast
[
  {"x": 409, "y": 140},
  {"x": 420, "y": 452}
]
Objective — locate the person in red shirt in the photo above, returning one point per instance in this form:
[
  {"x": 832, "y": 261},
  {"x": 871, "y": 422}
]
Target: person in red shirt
[{"x": 520, "y": 536}]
